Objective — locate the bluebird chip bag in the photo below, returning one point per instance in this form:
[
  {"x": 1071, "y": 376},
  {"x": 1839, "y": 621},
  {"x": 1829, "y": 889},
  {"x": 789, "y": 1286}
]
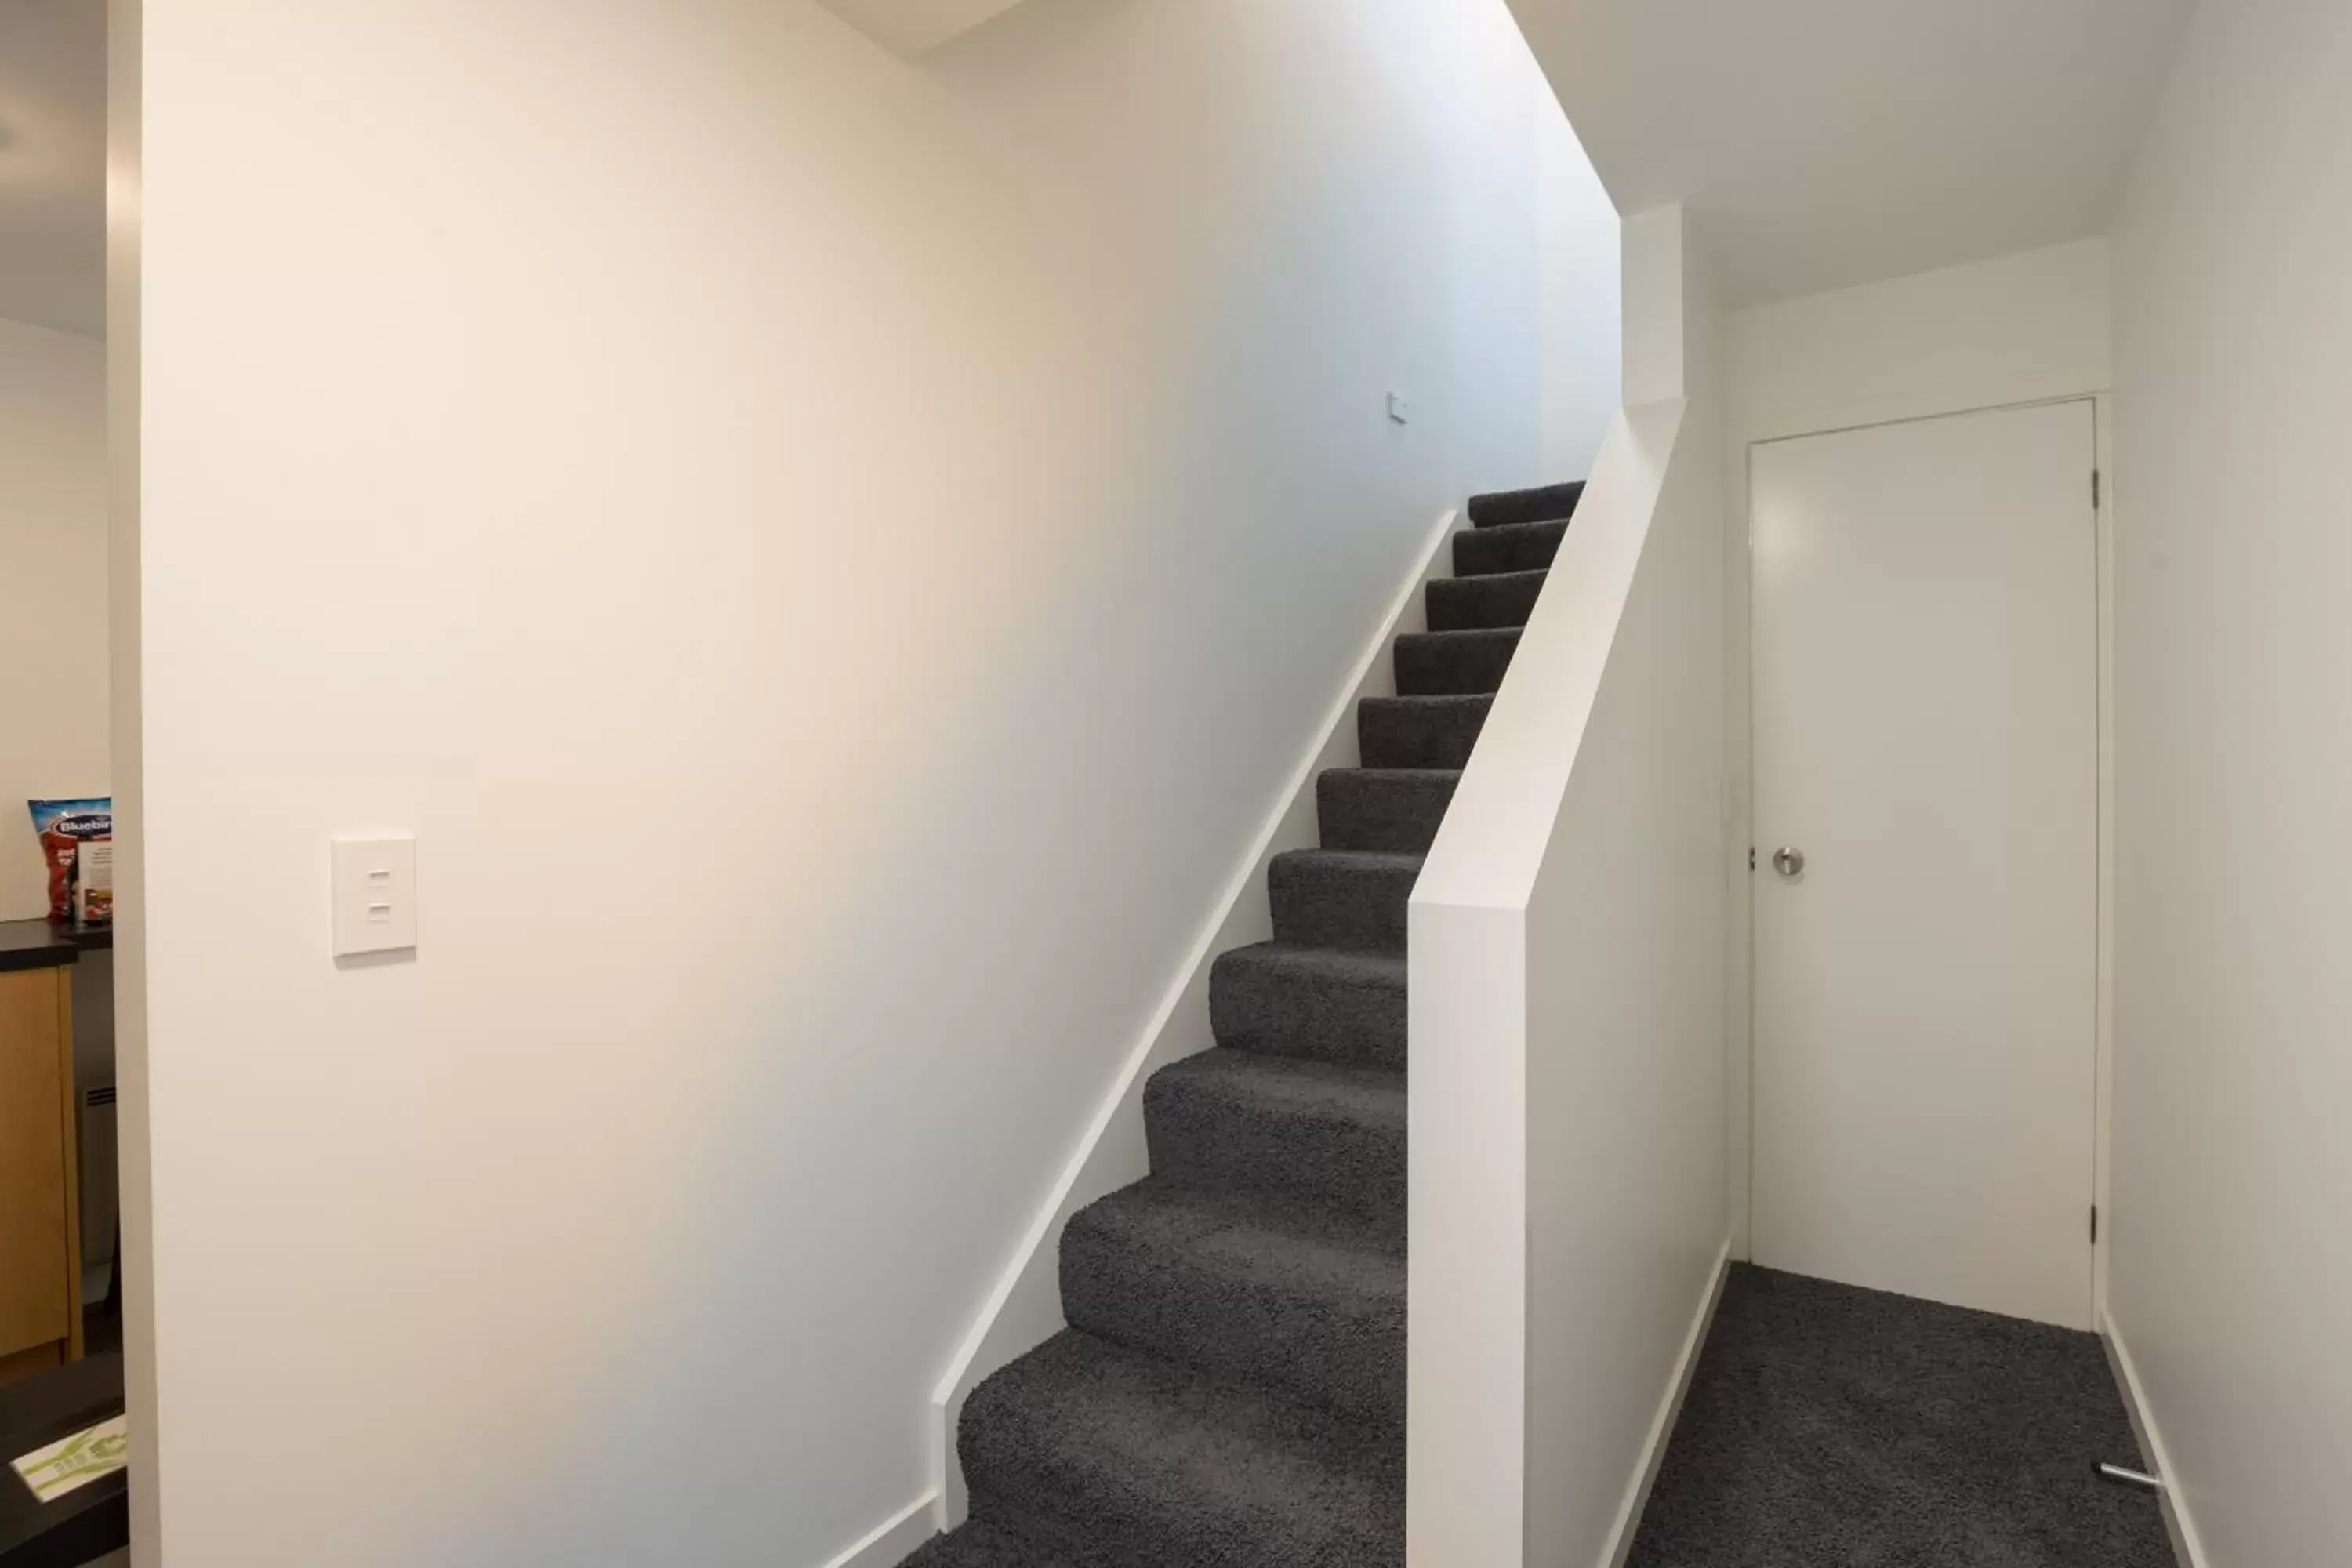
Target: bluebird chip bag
[{"x": 64, "y": 826}]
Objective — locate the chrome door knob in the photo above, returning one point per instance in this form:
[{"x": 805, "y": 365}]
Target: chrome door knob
[{"x": 1789, "y": 862}]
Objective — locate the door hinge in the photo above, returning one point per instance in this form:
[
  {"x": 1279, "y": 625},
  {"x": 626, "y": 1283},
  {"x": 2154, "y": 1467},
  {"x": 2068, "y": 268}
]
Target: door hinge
[
  {"x": 1751, "y": 856},
  {"x": 2095, "y": 1225},
  {"x": 2095, "y": 489}
]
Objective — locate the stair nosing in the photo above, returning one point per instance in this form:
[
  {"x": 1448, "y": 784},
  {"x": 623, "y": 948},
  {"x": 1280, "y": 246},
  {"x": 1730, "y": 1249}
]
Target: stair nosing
[
  {"x": 1500, "y": 527},
  {"x": 1224, "y": 1065},
  {"x": 1497, "y": 576},
  {"x": 1398, "y": 859},
  {"x": 1409, "y": 772},
  {"x": 1433, "y": 697},
  {"x": 1351, "y": 1233},
  {"x": 1462, "y": 632},
  {"x": 1275, "y": 946}
]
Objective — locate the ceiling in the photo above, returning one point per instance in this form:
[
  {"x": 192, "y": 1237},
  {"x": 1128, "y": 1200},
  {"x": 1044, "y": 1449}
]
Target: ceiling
[
  {"x": 53, "y": 163},
  {"x": 1819, "y": 144},
  {"x": 910, "y": 26}
]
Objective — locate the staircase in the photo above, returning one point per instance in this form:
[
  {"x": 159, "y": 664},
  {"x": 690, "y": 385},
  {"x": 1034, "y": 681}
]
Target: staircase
[{"x": 1231, "y": 1390}]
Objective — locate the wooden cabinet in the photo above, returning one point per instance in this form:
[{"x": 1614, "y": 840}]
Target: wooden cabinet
[{"x": 40, "y": 1218}]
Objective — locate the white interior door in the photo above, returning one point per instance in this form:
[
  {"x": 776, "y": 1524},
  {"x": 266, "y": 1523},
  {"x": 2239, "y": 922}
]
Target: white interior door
[{"x": 1925, "y": 702}]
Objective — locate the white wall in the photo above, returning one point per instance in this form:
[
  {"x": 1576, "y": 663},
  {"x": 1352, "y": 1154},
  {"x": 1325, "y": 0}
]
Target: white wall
[
  {"x": 2231, "y": 1273},
  {"x": 1568, "y": 1189},
  {"x": 835, "y": 561},
  {"x": 1628, "y": 1222},
  {"x": 53, "y": 609},
  {"x": 2016, "y": 328},
  {"x": 2011, "y": 330},
  {"x": 1582, "y": 302}
]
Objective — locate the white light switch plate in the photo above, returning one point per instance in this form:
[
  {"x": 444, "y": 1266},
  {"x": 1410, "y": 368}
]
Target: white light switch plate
[{"x": 375, "y": 895}]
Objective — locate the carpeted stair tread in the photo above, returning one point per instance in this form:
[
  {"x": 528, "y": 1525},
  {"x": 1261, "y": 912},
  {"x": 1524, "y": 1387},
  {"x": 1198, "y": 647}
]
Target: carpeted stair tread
[
  {"x": 1420, "y": 732},
  {"x": 1125, "y": 1460},
  {"x": 1544, "y": 503},
  {"x": 1281, "y": 1127},
  {"x": 1304, "y": 1299},
  {"x": 1383, "y": 808},
  {"x": 1473, "y": 603},
  {"x": 1348, "y": 898},
  {"x": 1507, "y": 547},
  {"x": 1454, "y": 664},
  {"x": 979, "y": 1545},
  {"x": 1231, "y": 1393},
  {"x": 1317, "y": 1004}
]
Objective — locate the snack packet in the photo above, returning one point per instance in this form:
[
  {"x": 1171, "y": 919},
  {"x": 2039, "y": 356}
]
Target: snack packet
[
  {"x": 93, "y": 891},
  {"x": 65, "y": 826}
]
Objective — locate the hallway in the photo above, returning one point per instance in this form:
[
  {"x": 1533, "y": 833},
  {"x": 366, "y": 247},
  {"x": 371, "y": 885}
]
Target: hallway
[{"x": 1831, "y": 1426}]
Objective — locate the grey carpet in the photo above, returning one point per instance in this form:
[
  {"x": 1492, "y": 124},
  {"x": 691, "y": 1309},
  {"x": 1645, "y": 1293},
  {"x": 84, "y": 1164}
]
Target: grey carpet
[
  {"x": 1280, "y": 1127},
  {"x": 1543, "y": 504},
  {"x": 1452, "y": 664},
  {"x": 1230, "y": 1392},
  {"x": 1303, "y": 1298},
  {"x": 1350, "y": 900},
  {"x": 1833, "y": 1427},
  {"x": 1395, "y": 809},
  {"x": 1469, "y": 603},
  {"x": 1419, "y": 731},
  {"x": 1321, "y": 1004},
  {"x": 1506, "y": 547}
]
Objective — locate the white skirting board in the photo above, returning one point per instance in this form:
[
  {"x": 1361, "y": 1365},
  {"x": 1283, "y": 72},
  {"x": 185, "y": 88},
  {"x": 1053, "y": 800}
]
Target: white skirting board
[
  {"x": 2178, "y": 1523},
  {"x": 892, "y": 1542},
  {"x": 1670, "y": 1410},
  {"x": 1025, "y": 1310}
]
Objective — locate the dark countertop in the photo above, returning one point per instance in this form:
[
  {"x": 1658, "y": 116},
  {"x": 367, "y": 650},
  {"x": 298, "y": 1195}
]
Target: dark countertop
[
  {"x": 81, "y": 1525},
  {"x": 37, "y": 944}
]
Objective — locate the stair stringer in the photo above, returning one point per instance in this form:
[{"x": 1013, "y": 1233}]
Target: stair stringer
[{"x": 1024, "y": 1310}]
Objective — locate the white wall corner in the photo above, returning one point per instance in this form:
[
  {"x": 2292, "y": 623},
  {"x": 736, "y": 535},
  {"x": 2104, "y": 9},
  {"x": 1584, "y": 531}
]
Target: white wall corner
[
  {"x": 908, "y": 27},
  {"x": 1025, "y": 1310},
  {"x": 1657, "y": 284}
]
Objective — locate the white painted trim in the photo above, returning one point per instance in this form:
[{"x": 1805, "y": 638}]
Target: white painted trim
[
  {"x": 2102, "y": 1105},
  {"x": 1024, "y": 1310},
  {"x": 1865, "y": 413},
  {"x": 1739, "y": 840},
  {"x": 1670, "y": 1410},
  {"x": 2187, "y": 1544},
  {"x": 889, "y": 1543}
]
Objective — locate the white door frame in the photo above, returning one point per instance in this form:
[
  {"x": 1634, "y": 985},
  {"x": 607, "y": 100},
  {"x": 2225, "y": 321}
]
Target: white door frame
[{"x": 1741, "y": 642}]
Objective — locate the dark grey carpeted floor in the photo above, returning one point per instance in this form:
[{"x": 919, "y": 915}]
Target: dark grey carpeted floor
[
  {"x": 1834, "y": 1428},
  {"x": 1230, "y": 1392}
]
